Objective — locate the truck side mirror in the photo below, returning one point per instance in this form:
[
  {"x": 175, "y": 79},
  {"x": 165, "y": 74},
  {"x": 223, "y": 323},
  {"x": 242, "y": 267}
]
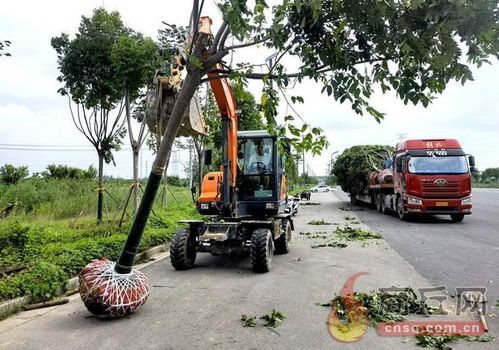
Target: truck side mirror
[
  {"x": 398, "y": 163},
  {"x": 207, "y": 155},
  {"x": 472, "y": 161},
  {"x": 472, "y": 164}
]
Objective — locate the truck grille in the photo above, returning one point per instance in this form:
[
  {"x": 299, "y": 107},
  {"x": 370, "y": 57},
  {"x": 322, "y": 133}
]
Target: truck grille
[{"x": 430, "y": 190}]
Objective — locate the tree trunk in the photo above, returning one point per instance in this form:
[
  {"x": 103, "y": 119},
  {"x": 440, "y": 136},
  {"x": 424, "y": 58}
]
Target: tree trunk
[
  {"x": 136, "y": 196},
  {"x": 135, "y": 153},
  {"x": 191, "y": 83},
  {"x": 100, "y": 189}
]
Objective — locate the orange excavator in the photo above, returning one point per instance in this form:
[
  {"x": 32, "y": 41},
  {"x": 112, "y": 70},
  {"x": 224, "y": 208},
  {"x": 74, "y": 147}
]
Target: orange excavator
[{"x": 246, "y": 199}]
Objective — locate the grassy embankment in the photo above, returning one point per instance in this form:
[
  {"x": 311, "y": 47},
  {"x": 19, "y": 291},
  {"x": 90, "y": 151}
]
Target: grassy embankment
[{"x": 52, "y": 232}]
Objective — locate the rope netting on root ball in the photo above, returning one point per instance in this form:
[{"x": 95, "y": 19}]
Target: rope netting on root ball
[{"x": 109, "y": 294}]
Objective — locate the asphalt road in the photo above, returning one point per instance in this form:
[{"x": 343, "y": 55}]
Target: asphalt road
[{"x": 450, "y": 254}]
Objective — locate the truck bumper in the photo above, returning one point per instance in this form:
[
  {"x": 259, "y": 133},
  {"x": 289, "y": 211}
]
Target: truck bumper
[{"x": 439, "y": 205}]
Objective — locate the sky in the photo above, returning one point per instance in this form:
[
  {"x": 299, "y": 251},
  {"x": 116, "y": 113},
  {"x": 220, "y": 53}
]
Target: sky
[{"x": 33, "y": 115}]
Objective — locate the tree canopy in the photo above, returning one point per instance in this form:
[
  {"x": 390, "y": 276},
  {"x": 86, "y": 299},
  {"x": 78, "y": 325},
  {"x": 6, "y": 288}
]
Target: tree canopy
[
  {"x": 413, "y": 47},
  {"x": 134, "y": 60},
  {"x": 85, "y": 62}
]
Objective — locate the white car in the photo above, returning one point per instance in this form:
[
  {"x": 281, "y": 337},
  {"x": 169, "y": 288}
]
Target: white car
[{"x": 321, "y": 188}]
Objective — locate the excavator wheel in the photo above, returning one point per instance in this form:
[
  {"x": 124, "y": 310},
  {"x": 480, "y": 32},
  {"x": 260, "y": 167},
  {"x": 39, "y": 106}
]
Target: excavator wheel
[
  {"x": 261, "y": 250},
  {"x": 282, "y": 242},
  {"x": 182, "y": 250}
]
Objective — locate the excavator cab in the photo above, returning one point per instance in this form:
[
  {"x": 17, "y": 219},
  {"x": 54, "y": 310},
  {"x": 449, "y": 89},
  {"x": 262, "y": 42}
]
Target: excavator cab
[{"x": 261, "y": 185}]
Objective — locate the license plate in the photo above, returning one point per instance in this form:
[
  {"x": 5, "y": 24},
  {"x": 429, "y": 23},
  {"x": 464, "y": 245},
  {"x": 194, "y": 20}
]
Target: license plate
[{"x": 442, "y": 204}]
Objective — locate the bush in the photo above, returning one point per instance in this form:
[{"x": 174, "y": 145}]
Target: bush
[
  {"x": 67, "y": 172},
  {"x": 41, "y": 280},
  {"x": 11, "y": 175}
]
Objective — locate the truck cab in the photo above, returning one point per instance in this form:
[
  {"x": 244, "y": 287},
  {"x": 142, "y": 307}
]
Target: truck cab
[{"x": 432, "y": 176}]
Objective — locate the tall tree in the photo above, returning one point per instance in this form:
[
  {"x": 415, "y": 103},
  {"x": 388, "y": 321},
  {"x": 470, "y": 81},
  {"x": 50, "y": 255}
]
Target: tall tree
[
  {"x": 91, "y": 82},
  {"x": 135, "y": 60}
]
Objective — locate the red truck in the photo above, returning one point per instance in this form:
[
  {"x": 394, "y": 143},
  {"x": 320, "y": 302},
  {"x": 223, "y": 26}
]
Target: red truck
[{"x": 429, "y": 177}]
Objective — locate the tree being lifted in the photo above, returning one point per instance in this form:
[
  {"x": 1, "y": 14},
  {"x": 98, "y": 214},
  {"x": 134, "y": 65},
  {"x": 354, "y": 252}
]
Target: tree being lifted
[{"x": 409, "y": 46}]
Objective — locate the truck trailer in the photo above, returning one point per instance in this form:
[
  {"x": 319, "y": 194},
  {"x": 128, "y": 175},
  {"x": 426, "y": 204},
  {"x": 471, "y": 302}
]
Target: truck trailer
[{"x": 430, "y": 176}]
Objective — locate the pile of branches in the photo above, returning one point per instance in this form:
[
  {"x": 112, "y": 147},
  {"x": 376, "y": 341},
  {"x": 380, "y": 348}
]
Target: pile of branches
[{"x": 353, "y": 166}]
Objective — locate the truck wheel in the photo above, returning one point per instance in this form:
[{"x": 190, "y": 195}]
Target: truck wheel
[
  {"x": 400, "y": 209},
  {"x": 282, "y": 242},
  {"x": 377, "y": 202},
  {"x": 261, "y": 250},
  {"x": 457, "y": 217},
  {"x": 182, "y": 250}
]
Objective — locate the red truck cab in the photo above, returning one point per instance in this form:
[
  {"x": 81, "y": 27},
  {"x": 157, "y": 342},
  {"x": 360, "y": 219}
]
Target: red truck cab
[{"x": 432, "y": 176}]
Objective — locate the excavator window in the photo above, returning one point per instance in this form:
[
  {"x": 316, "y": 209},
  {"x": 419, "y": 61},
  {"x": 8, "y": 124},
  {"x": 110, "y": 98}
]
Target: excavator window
[
  {"x": 256, "y": 168},
  {"x": 257, "y": 157}
]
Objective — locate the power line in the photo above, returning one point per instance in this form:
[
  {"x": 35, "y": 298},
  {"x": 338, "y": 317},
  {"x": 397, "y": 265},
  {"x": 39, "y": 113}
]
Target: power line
[{"x": 55, "y": 149}]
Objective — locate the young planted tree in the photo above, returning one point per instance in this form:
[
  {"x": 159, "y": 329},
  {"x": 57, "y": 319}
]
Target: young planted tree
[
  {"x": 135, "y": 60},
  {"x": 414, "y": 47},
  {"x": 93, "y": 86}
]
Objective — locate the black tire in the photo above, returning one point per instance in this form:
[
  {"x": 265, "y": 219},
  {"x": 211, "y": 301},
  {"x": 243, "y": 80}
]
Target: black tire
[
  {"x": 327, "y": 190},
  {"x": 282, "y": 243},
  {"x": 401, "y": 210},
  {"x": 261, "y": 250},
  {"x": 182, "y": 250},
  {"x": 315, "y": 191},
  {"x": 377, "y": 202},
  {"x": 457, "y": 217}
]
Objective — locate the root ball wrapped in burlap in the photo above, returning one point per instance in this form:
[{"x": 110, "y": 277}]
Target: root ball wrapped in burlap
[{"x": 108, "y": 294}]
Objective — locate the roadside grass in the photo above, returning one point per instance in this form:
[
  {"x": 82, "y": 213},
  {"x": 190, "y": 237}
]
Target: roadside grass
[{"x": 52, "y": 233}]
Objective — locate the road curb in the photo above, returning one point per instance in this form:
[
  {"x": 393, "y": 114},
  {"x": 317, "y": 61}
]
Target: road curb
[{"x": 70, "y": 286}]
